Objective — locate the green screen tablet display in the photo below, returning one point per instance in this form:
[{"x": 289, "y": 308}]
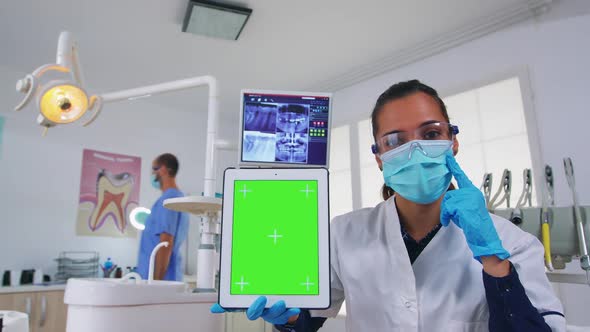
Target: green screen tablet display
[{"x": 275, "y": 238}]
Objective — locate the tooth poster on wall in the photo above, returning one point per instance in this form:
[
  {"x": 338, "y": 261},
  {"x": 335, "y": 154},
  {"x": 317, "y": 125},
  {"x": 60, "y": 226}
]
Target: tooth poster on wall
[{"x": 109, "y": 190}]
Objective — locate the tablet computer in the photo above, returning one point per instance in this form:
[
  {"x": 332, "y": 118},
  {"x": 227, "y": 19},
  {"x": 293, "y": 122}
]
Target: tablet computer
[{"x": 275, "y": 238}]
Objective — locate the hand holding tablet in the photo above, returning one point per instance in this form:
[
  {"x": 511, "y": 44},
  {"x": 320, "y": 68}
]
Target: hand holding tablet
[{"x": 277, "y": 314}]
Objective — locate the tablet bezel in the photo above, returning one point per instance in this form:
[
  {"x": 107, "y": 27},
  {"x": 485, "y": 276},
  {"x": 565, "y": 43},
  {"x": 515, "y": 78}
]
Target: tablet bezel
[{"x": 320, "y": 301}]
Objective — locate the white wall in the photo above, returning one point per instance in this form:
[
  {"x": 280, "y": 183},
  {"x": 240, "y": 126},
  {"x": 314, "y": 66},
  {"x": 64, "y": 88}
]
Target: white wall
[
  {"x": 40, "y": 177},
  {"x": 557, "y": 59},
  {"x": 555, "y": 51}
]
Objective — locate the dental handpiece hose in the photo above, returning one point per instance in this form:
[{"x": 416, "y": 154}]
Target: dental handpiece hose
[
  {"x": 581, "y": 236},
  {"x": 584, "y": 258},
  {"x": 580, "y": 226}
]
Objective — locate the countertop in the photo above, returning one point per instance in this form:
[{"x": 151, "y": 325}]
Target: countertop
[
  {"x": 32, "y": 288},
  {"x": 60, "y": 287}
]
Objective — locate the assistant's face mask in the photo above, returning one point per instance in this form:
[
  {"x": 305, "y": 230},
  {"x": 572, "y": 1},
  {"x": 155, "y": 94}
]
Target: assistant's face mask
[
  {"x": 155, "y": 182},
  {"x": 417, "y": 170}
]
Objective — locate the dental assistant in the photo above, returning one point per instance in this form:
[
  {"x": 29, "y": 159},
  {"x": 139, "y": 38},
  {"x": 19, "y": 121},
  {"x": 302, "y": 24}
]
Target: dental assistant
[
  {"x": 164, "y": 225},
  {"x": 429, "y": 257}
]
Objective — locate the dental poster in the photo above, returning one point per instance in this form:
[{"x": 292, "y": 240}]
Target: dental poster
[{"x": 109, "y": 190}]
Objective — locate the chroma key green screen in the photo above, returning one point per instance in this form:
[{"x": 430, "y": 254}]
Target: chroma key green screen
[{"x": 275, "y": 238}]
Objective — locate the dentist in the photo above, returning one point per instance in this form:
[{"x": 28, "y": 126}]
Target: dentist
[{"x": 164, "y": 225}]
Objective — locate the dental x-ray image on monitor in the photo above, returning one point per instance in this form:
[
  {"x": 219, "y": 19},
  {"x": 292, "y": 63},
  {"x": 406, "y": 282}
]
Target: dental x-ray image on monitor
[
  {"x": 292, "y": 138},
  {"x": 285, "y": 128}
]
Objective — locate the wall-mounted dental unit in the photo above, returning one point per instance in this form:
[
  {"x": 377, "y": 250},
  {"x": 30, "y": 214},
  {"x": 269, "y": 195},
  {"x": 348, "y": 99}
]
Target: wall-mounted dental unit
[{"x": 562, "y": 230}]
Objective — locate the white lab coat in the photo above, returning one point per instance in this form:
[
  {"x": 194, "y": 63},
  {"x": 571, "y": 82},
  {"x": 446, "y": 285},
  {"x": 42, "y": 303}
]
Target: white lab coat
[{"x": 442, "y": 291}]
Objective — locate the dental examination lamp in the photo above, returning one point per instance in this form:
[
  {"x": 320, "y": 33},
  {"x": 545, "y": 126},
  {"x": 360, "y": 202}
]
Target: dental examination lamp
[
  {"x": 61, "y": 100},
  {"x": 64, "y": 100}
]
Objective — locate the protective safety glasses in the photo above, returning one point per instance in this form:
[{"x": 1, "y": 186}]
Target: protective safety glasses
[
  {"x": 430, "y": 149},
  {"x": 433, "y": 131}
]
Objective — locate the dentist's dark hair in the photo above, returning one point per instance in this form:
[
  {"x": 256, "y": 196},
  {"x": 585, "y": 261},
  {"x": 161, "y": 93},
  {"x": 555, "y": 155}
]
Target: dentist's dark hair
[
  {"x": 399, "y": 91},
  {"x": 169, "y": 161}
]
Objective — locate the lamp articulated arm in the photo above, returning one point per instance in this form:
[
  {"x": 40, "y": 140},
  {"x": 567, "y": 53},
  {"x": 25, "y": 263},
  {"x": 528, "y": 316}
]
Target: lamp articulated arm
[
  {"x": 67, "y": 56},
  {"x": 213, "y": 106}
]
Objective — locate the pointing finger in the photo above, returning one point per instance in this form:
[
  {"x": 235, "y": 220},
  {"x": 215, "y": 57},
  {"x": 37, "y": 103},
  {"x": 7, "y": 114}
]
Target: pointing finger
[{"x": 458, "y": 174}]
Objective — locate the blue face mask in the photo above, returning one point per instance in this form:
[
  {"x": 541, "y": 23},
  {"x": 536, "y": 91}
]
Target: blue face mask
[
  {"x": 418, "y": 170},
  {"x": 155, "y": 181}
]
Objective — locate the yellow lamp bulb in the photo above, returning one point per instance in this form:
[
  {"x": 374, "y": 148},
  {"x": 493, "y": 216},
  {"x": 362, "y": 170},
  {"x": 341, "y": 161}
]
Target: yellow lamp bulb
[{"x": 63, "y": 103}]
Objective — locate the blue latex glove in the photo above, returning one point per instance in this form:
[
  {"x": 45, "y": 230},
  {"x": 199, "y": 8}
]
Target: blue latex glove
[
  {"x": 277, "y": 314},
  {"x": 466, "y": 206}
]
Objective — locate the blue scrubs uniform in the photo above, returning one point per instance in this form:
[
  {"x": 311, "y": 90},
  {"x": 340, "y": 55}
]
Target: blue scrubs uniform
[{"x": 163, "y": 220}]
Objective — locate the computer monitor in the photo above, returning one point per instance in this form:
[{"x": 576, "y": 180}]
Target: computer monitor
[{"x": 288, "y": 129}]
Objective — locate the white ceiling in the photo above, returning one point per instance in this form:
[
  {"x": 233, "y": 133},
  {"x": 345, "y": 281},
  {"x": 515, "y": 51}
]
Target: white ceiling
[{"x": 290, "y": 45}]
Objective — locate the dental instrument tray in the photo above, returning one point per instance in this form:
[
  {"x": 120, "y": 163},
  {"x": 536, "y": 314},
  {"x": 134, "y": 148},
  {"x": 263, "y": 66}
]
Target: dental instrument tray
[
  {"x": 275, "y": 238},
  {"x": 77, "y": 264}
]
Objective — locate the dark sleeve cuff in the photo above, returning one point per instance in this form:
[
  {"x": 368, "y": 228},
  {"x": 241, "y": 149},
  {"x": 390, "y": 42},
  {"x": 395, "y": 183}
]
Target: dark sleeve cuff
[
  {"x": 509, "y": 306},
  {"x": 498, "y": 287},
  {"x": 305, "y": 323}
]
